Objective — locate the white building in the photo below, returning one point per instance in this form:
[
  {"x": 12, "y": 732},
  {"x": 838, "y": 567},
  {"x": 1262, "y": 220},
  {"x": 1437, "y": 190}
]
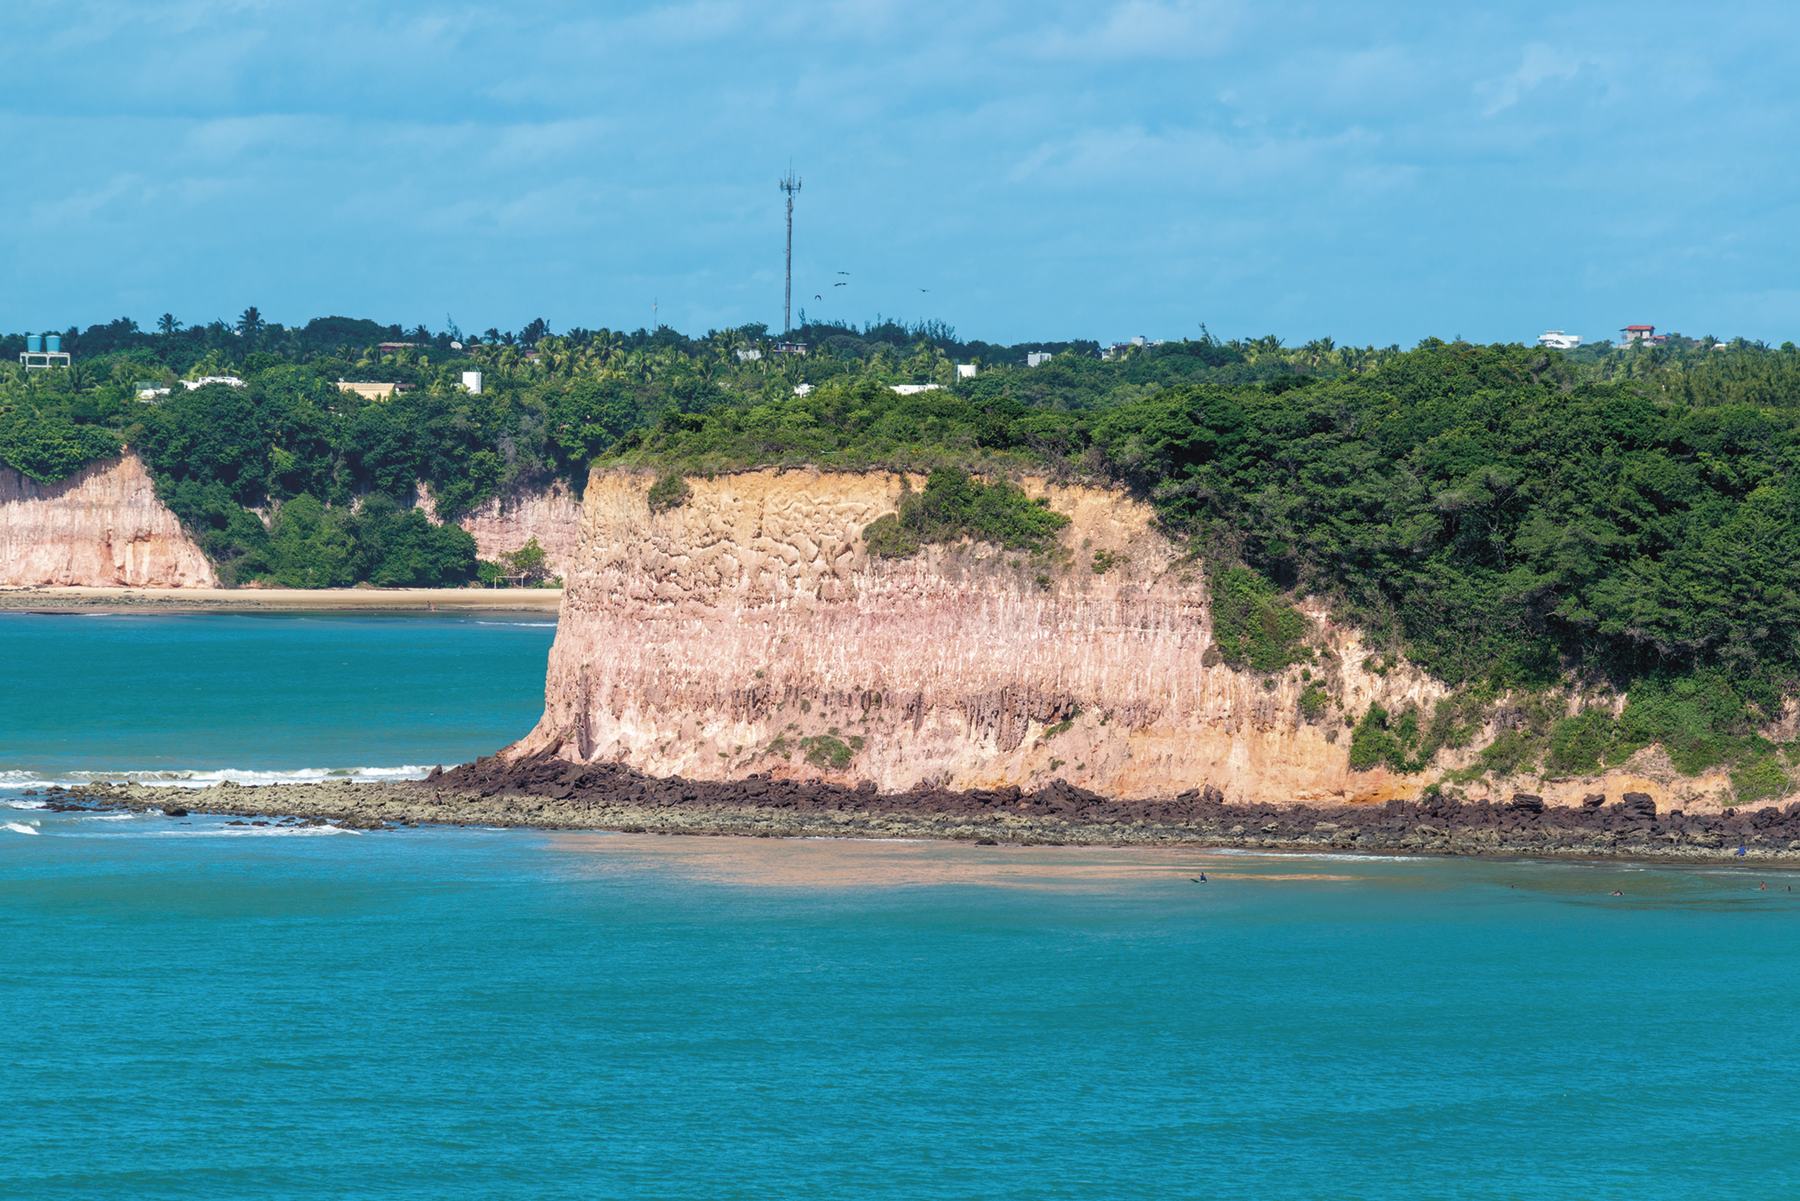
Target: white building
[
  {"x": 1119, "y": 348},
  {"x": 914, "y": 389},
  {"x": 1038, "y": 356},
  {"x": 472, "y": 381},
  {"x": 1555, "y": 339},
  {"x": 965, "y": 371},
  {"x": 191, "y": 384}
]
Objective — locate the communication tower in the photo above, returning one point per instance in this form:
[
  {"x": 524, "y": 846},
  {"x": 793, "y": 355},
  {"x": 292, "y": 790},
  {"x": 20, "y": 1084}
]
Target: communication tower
[{"x": 790, "y": 185}]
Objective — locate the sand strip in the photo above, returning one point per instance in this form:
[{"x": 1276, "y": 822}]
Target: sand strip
[{"x": 281, "y": 600}]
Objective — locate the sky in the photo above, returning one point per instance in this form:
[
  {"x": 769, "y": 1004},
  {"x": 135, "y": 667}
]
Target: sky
[{"x": 1375, "y": 173}]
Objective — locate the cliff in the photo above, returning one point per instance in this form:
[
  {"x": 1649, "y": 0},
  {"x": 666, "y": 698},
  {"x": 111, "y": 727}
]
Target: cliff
[
  {"x": 748, "y": 630},
  {"x": 502, "y": 525},
  {"x": 101, "y": 527}
]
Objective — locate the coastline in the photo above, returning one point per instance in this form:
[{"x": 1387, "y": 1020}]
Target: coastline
[
  {"x": 280, "y": 600},
  {"x": 551, "y": 794}
]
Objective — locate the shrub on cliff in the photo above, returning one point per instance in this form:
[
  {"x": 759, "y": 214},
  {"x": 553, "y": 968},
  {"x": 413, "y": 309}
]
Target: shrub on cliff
[
  {"x": 1252, "y": 626},
  {"x": 670, "y": 491},
  {"x": 48, "y": 449},
  {"x": 956, "y": 505}
]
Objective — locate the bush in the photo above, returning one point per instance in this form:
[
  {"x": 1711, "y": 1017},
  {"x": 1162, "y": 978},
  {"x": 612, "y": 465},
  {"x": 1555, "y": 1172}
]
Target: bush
[
  {"x": 1105, "y": 560},
  {"x": 955, "y": 505},
  {"x": 1700, "y": 719},
  {"x": 823, "y": 750},
  {"x": 1760, "y": 779},
  {"x": 48, "y": 449},
  {"x": 1313, "y": 702},
  {"x": 670, "y": 491},
  {"x": 1455, "y": 720},
  {"x": 1513, "y": 751},
  {"x": 1578, "y": 743},
  {"x": 1251, "y": 626},
  {"x": 1373, "y": 742}
]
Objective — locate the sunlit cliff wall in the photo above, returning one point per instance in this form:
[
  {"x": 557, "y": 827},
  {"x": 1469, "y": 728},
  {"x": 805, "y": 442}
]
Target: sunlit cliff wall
[
  {"x": 502, "y": 526},
  {"x": 103, "y": 526},
  {"x": 712, "y": 639}
]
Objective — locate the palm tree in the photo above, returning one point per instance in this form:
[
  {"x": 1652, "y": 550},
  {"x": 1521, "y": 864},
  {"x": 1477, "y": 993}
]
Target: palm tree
[
  {"x": 251, "y": 322},
  {"x": 167, "y": 324}
]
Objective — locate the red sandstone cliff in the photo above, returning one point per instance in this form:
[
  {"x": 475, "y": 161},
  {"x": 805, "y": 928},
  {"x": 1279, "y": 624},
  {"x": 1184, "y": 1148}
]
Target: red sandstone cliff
[{"x": 101, "y": 527}]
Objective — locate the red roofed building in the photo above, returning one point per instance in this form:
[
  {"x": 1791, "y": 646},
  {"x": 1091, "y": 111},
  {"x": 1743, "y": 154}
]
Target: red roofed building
[{"x": 1633, "y": 334}]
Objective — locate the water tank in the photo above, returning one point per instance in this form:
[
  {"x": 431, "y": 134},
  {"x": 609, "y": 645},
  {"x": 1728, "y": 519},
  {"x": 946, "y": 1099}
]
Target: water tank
[
  {"x": 53, "y": 343},
  {"x": 472, "y": 381},
  {"x": 34, "y": 344}
]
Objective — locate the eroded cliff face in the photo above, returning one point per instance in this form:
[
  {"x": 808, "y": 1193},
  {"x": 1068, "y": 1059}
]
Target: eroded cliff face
[
  {"x": 101, "y": 527},
  {"x": 500, "y": 526},
  {"x": 748, "y": 630}
]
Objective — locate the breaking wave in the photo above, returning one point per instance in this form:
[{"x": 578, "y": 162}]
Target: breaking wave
[{"x": 201, "y": 777}]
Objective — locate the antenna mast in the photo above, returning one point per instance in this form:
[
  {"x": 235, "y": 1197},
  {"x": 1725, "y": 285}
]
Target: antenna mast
[{"x": 790, "y": 185}]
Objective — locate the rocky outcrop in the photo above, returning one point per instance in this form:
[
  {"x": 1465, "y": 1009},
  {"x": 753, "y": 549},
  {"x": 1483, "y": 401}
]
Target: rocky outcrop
[
  {"x": 749, "y": 631},
  {"x": 101, "y": 527},
  {"x": 546, "y": 792}
]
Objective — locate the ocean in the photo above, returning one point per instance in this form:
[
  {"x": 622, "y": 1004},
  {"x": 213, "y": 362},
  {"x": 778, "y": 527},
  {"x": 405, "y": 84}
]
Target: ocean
[{"x": 204, "y": 1010}]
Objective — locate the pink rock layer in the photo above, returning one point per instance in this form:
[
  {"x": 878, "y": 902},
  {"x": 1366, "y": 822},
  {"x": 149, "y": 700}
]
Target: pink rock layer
[
  {"x": 502, "y": 525},
  {"x": 101, "y": 527},
  {"x": 748, "y": 630}
]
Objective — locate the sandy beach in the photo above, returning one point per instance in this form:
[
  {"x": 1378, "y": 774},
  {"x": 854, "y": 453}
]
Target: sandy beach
[{"x": 281, "y": 600}]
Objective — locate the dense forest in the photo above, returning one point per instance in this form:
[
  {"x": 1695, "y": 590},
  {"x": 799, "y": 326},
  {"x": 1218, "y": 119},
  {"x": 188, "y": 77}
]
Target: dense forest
[{"x": 1510, "y": 518}]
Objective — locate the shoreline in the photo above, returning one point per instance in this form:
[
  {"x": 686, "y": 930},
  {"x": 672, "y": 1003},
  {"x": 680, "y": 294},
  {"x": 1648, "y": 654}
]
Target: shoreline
[
  {"x": 611, "y": 798},
  {"x": 280, "y": 600}
]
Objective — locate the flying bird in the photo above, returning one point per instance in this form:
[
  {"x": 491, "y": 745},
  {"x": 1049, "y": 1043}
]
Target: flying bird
[
  {"x": 816, "y": 296},
  {"x": 924, "y": 289},
  {"x": 842, "y": 283},
  {"x": 843, "y": 273}
]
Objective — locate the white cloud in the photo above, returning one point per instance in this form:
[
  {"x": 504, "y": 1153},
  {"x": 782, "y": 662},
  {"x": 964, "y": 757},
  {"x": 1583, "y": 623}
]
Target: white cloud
[
  {"x": 1539, "y": 63},
  {"x": 1169, "y": 29}
]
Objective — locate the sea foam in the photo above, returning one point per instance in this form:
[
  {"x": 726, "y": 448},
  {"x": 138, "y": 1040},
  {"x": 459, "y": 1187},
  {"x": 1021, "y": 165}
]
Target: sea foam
[{"x": 201, "y": 777}]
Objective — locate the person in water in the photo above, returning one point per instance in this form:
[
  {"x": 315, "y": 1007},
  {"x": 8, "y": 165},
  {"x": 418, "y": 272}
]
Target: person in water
[{"x": 1617, "y": 893}]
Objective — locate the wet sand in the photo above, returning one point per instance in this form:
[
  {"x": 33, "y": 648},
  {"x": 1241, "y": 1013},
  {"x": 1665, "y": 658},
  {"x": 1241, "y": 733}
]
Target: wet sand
[{"x": 280, "y": 600}]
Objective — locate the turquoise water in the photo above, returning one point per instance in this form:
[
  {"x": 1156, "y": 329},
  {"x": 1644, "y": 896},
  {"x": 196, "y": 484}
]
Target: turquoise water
[
  {"x": 256, "y": 698},
  {"x": 200, "y": 1010}
]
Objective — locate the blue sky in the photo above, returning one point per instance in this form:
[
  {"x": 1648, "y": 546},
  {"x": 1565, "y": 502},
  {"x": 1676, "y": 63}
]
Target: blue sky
[{"x": 1374, "y": 172}]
